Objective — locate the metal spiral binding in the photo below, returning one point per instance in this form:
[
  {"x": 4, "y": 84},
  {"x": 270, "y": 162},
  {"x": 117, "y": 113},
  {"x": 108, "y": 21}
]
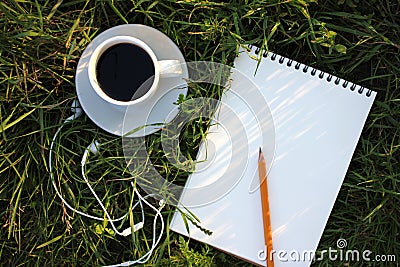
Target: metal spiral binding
[{"x": 313, "y": 72}]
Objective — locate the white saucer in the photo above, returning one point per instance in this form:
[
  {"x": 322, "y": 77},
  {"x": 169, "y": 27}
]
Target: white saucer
[{"x": 154, "y": 110}]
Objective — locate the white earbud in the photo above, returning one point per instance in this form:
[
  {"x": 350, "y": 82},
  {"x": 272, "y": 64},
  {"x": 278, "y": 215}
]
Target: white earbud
[
  {"x": 94, "y": 147},
  {"x": 136, "y": 227},
  {"x": 76, "y": 109}
]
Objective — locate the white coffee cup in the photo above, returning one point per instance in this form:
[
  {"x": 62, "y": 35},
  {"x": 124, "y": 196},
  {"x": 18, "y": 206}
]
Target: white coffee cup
[{"x": 162, "y": 68}]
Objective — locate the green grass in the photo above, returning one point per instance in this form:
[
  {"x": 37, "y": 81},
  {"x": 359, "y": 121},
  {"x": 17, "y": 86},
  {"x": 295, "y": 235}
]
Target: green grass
[{"x": 40, "y": 45}]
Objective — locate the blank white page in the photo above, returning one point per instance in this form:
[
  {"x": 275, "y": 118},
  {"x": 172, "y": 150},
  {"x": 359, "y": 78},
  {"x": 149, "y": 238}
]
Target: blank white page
[{"x": 317, "y": 127}]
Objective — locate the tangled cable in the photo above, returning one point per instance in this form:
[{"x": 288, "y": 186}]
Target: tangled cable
[{"x": 93, "y": 148}]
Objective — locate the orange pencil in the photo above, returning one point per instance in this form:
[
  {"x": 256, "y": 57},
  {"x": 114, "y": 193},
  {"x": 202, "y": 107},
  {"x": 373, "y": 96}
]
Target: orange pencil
[{"x": 262, "y": 174}]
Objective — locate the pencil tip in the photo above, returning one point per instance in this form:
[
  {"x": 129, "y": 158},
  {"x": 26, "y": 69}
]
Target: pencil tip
[{"x": 260, "y": 155}]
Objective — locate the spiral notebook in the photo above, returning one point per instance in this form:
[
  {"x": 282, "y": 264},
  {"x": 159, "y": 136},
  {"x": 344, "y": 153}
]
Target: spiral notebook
[{"x": 317, "y": 120}]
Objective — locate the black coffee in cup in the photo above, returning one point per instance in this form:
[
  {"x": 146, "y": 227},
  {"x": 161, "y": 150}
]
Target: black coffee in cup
[{"x": 123, "y": 69}]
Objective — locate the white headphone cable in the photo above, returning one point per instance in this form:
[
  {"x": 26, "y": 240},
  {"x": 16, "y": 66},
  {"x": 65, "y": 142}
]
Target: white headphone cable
[
  {"x": 93, "y": 148},
  {"x": 77, "y": 112},
  {"x": 155, "y": 242}
]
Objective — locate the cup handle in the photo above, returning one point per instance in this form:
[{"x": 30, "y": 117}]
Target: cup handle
[{"x": 170, "y": 68}]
